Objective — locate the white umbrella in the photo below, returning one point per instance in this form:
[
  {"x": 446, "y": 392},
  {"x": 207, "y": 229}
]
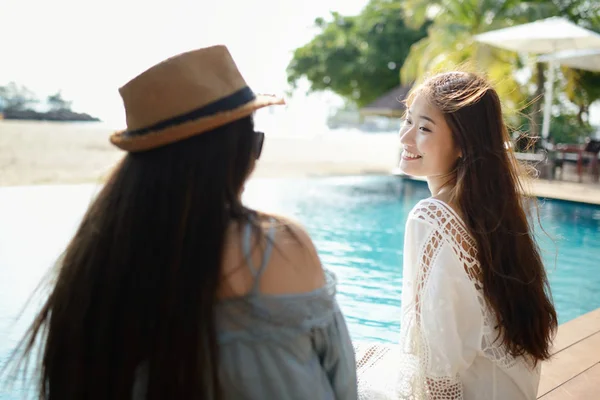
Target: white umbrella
[
  {"x": 541, "y": 37},
  {"x": 588, "y": 60},
  {"x": 545, "y": 36}
]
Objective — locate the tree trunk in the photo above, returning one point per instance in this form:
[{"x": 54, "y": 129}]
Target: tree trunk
[
  {"x": 580, "y": 115},
  {"x": 536, "y": 112},
  {"x": 583, "y": 114}
]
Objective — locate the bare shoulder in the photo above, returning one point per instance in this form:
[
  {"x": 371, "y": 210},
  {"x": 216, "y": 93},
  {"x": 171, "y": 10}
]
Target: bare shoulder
[
  {"x": 292, "y": 233},
  {"x": 294, "y": 241},
  {"x": 295, "y": 265}
]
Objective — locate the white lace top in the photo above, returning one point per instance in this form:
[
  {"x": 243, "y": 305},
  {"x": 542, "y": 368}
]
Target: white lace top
[{"x": 448, "y": 348}]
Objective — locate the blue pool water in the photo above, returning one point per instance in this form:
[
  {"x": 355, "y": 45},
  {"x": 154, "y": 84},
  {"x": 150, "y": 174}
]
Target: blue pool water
[{"x": 357, "y": 224}]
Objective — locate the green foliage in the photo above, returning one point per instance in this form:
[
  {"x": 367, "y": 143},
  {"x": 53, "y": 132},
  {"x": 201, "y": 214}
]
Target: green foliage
[
  {"x": 583, "y": 87},
  {"x": 450, "y": 42},
  {"x": 357, "y": 57},
  {"x": 583, "y": 12},
  {"x": 15, "y": 97},
  {"x": 56, "y": 102},
  {"x": 565, "y": 128}
]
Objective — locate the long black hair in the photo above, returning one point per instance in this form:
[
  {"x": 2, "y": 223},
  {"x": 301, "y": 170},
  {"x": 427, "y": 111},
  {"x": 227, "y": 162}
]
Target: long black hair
[{"x": 137, "y": 284}]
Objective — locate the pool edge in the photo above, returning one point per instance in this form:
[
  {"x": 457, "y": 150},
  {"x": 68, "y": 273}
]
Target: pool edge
[{"x": 569, "y": 192}]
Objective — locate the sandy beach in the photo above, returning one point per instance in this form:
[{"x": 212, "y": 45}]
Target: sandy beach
[
  {"x": 65, "y": 153},
  {"x": 54, "y": 153}
]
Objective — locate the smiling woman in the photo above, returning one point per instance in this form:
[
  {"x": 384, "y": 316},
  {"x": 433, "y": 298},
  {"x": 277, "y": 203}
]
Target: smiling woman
[
  {"x": 428, "y": 147},
  {"x": 477, "y": 317}
]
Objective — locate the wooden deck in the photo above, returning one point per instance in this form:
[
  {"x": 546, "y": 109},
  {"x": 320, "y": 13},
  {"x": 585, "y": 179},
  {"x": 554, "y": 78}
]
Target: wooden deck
[{"x": 574, "y": 370}]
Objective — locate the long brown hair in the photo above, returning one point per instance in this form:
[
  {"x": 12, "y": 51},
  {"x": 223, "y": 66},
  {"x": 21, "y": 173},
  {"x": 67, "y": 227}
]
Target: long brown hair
[
  {"x": 489, "y": 193},
  {"x": 137, "y": 284}
]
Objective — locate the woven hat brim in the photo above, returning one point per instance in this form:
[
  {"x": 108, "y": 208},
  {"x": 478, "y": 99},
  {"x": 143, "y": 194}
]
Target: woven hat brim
[{"x": 159, "y": 138}]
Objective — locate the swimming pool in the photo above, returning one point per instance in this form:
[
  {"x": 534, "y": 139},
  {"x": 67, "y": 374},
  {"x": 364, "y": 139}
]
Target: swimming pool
[{"x": 357, "y": 224}]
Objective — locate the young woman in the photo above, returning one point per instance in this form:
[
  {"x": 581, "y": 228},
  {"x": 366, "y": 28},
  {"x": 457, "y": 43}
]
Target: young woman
[
  {"x": 477, "y": 317},
  {"x": 172, "y": 288}
]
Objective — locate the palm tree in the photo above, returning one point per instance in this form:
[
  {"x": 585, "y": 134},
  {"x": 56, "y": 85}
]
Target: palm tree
[{"x": 450, "y": 41}]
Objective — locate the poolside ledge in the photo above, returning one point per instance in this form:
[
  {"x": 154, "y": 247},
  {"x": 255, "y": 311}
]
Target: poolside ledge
[{"x": 588, "y": 193}]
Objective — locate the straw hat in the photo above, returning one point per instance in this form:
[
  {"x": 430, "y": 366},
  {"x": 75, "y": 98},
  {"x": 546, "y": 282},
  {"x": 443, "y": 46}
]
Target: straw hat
[{"x": 184, "y": 96}]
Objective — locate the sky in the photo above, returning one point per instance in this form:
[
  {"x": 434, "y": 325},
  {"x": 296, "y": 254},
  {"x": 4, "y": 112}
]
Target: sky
[{"x": 88, "y": 49}]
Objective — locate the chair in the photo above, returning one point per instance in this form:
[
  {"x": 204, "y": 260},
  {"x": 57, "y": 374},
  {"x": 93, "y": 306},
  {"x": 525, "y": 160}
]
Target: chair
[{"x": 581, "y": 155}]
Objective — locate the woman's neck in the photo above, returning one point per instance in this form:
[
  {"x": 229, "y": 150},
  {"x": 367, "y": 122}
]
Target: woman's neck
[{"x": 441, "y": 185}]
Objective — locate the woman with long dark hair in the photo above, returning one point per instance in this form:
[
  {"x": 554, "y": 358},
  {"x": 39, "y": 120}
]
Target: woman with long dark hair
[
  {"x": 171, "y": 287},
  {"x": 477, "y": 316}
]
